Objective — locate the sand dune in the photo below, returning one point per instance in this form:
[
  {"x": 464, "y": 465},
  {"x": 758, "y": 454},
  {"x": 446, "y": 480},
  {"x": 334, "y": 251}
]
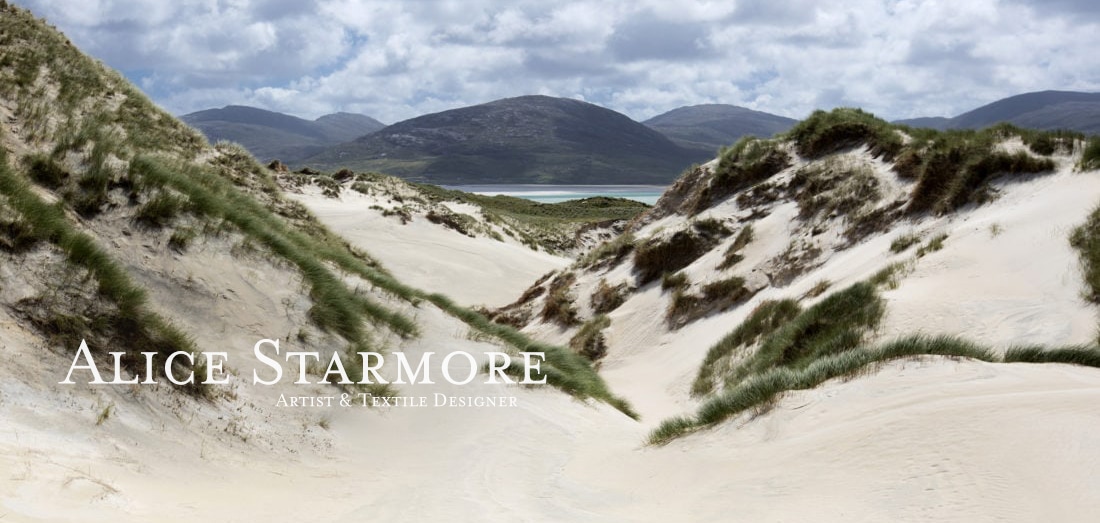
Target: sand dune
[
  {"x": 932, "y": 439},
  {"x": 473, "y": 271}
]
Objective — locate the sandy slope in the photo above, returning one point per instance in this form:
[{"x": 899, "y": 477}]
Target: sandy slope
[
  {"x": 473, "y": 271},
  {"x": 929, "y": 440},
  {"x": 918, "y": 441},
  {"x": 1017, "y": 282},
  {"x": 1010, "y": 275}
]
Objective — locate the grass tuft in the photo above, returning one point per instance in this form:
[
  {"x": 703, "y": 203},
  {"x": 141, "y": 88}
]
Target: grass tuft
[
  {"x": 1086, "y": 356},
  {"x": 746, "y": 163},
  {"x": 1086, "y": 239},
  {"x": 760, "y": 391},
  {"x": 903, "y": 242},
  {"x": 558, "y": 306},
  {"x": 657, "y": 256},
  {"x": 762, "y": 321},
  {"x": 589, "y": 340},
  {"x": 828, "y": 132},
  {"x": 607, "y": 298},
  {"x": 610, "y": 253},
  {"x": 1090, "y": 158},
  {"x": 733, "y": 256},
  {"x": 934, "y": 244},
  {"x": 160, "y": 210}
]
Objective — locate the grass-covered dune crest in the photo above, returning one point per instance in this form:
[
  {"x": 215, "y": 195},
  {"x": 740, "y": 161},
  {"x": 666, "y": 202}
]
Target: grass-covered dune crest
[{"x": 93, "y": 162}]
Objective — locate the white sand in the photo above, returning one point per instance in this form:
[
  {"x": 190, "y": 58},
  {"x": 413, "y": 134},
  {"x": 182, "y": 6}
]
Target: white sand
[
  {"x": 929, "y": 440},
  {"x": 472, "y": 271},
  {"x": 918, "y": 441}
]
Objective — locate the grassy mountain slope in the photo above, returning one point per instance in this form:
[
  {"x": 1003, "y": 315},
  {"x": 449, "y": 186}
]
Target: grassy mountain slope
[
  {"x": 529, "y": 139},
  {"x": 270, "y": 135},
  {"x": 1043, "y": 110}
]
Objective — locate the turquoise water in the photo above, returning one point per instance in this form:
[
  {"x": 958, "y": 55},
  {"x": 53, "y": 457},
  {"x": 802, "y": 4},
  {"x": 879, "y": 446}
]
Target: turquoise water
[{"x": 560, "y": 193}]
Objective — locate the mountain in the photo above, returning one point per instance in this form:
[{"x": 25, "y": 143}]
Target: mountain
[
  {"x": 1044, "y": 110},
  {"x": 528, "y": 139},
  {"x": 270, "y": 135},
  {"x": 710, "y": 127}
]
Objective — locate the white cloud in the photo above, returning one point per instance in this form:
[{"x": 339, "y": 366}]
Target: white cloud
[{"x": 394, "y": 60}]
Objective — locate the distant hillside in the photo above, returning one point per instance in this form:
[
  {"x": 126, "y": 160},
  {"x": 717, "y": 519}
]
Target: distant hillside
[
  {"x": 269, "y": 135},
  {"x": 1044, "y": 110},
  {"x": 939, "y": 123},
  {"x": 712, "y": 126},
  {"x": 529, "y": 139}
]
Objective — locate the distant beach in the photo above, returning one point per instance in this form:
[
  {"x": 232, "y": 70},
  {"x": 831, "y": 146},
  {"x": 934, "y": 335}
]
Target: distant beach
[{"x": 560, "y": 193}]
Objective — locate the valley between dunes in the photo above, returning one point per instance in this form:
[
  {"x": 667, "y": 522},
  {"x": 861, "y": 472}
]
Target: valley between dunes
[{"x": 927, "y": 439}]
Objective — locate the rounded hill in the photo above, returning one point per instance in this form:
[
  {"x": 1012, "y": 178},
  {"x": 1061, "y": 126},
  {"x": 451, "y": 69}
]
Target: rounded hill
[{"x": 528, "y": 139}]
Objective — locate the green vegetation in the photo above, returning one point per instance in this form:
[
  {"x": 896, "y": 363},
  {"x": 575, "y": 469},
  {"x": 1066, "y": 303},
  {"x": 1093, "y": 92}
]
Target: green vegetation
[
  {"x": 607, "y": 298},
  {"x": 461, "y": 223},
  {"x": 45, "y": 171},
  {"x": 746, "y": 163},
  {"x": 655, "y": 257},
  {"x": 889, "y": 277},
  {"x": 16, "y": 235},
  {"x": 934, "y": 244},
  {"x": 133, "y": 325},
  {"x": 42, "y": 72},
  {"x": 837, "y": 323},
  {"x": 558, "y": 306},
  {"x": 160, "y": 210},
  {"x": 718, "y": 296},
  {"x": 760, "y": 391},
  {"x": 335, "y": 307},
  {"x": 552, "y": 227},
  {"x": 181, "y": 239},
  {"x": 674, "y": 281},
  {"x": 827, "y": 132},
  {"x": 1086, "y": 239},
  {"x": 953, "y": 168},
  {"x": 733, "y": 256},
  {"x": 1090, "y": 158},
  {"x": 1081, "y": 355},
  {"x": 596, "y": 209},
  {"x": 995, "y": 230},
  {"x": 563, "y": 368},
  {"x": 589, "y": 340},
  {"x": 800, "y": 349},
  {"x": 610, "y": 253},
  {"x": 710, "y": 227},
  {"x": 903, "y": 242},
  {"x": 1043, "y": 143},
  {"x": 832, "y": 188},
  {"x": 816, "y": 331},
  {"x": 104, "y": 414},
  {"x": 818, "y": 289}
]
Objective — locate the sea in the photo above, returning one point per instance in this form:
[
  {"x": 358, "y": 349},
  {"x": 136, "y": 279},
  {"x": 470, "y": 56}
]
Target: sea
[{"x": 561, "y": 193}]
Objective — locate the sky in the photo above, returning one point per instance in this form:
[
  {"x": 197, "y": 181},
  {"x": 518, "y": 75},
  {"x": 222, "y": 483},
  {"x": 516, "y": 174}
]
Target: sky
[{"x": 394, "y": 60}]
